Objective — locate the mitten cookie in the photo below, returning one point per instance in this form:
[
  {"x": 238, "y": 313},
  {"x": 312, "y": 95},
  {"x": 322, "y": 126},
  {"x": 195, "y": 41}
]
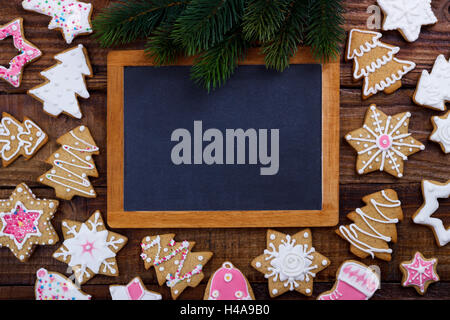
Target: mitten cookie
[
  {"x": 72, "y": 17},
  {"x": 25, "y": 222},
  {"x": 72, "y": 164},
  {"x": 441, "y": 131},
  {"x": 135, "y": 290},
  {"x": 89, "y": 248},
  {"x": 374, "y": 225},
  {"x": 419, "y": 273},
  {"x": 383, "y": 143},
  {"x": 174, "y": 262},
  {"x": 27, "y": 52},
  {"x": 228, "y": 283},
  {"x": 290, "y": 263},
  {"x": 65, "y": 82},
  {"x": 54, "y": 286},
  {"x": 375, "y": 61},
  {"x": 19, "y": 139}
]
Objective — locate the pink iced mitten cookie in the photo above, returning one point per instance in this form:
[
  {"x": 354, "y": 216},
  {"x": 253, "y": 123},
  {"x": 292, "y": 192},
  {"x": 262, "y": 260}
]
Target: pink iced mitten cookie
[
  {"x": 441, "y": 131},
  {"x": 89, "y": 248},
  {"x": 70, "y": 16},
  {"x": 54, "y": 286},
  {"x": 135, "y": 290},
  {"x": 174, "y": 262},
  {"x": 228, "y": 283},
  {"x": 419, "y": 273},
  {"x": 383, "y": 143},
  {"x": 290, "y": 262},
  {"x": 375, "y": 61},
  {"x": 354, "y": 281},
  {"x": 28, "y": 52},
  {"x": 65, "y": 82}
]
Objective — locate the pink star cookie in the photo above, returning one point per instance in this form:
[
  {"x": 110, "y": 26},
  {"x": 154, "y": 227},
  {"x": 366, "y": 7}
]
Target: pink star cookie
[{"x": 419, "y": 272}]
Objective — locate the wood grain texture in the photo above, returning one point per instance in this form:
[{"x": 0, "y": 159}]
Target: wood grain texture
[{"x": 238, "y": 245}]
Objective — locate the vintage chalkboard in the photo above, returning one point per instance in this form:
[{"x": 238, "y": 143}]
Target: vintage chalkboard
[{"x": 260, "y": 151}]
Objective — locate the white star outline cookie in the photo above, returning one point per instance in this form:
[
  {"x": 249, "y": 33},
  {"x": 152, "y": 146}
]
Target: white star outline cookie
[{"x": 441, "y": 132}]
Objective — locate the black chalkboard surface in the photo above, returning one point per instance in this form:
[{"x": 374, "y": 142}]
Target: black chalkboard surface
[{"x": 159, "y": 100}]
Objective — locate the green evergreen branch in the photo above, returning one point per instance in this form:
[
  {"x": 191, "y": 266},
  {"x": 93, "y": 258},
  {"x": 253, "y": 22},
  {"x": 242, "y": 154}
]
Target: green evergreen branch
[{"x": 162, "y": 48}]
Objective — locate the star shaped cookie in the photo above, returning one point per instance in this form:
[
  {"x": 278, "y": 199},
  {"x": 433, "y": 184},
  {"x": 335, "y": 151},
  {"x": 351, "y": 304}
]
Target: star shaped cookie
[
  {"x": 25, "y": 222},
  {"x": 27, "y": 52},
  {"x": 383, "y": 143},
  {"x": 408, "y": 16},
  {"x": 441, "y": 132},
  {"x": 135, "y": 290},
  {"x": 290, "y": 262},
  {"x": 89, "y": 248},
  {"x": 419, "y": 272}
]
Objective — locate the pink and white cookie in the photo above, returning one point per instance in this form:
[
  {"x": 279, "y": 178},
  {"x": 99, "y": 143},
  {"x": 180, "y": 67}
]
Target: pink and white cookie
[
  {"x": 135, "y": 290},
  {"x": 419, "y": 273},
  {"x": 54, "y": 286}
]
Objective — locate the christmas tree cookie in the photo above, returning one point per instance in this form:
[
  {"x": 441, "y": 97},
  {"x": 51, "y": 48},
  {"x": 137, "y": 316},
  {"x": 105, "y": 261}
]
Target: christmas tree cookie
[
  {"x": 374, "y": 225},
  {"x": 54, "y": 286},
  {"x": 419, "y": 273},
  {"x": 65, "y": 82},
  {"x": 25, "y": 222},
  {"x": 72, "y": 164},
  {"x": 72, "y": 17},
  {"x": 19, "y": 139},
  {"x": 89, "y": 248},
  {"x": 174, "y": 262},
  {"x": 441, "y": 131},
  {"x": 290, "y": 262},
  {"x": 375, "y": 61}
]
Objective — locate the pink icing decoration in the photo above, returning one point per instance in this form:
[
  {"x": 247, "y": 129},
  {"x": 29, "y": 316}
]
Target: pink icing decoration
[
  {"x": 20, "y": 223},
  {"x": 27, "y": 53},
  {"x": 135, "y": 291},
  {"x": 228, "y": 283},
  {"x": 419, "y": 271},
  {"x": 384, "y": 142}
]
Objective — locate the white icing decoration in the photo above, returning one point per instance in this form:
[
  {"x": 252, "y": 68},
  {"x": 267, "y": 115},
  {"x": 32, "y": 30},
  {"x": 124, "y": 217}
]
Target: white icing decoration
[
  {"x": 442, "y": 132},
  {"x": 49, "y": 283},
  {"x": 274, "y": 291},
  {"x": 258, "y": 264},
  {"x": 122, "y": 292}
]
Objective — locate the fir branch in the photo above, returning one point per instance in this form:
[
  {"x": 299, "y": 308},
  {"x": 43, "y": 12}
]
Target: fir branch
[
  {"x": 213, "y": 67},
  {"x": 325, "y": 33},
  {"x": 162, "y": 48},
  {"x": 126, "y": 21},
  {"x": 205, "y": 23}
]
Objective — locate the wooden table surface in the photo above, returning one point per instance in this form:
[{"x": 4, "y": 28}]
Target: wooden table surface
[{"x": 237, "y": 245}]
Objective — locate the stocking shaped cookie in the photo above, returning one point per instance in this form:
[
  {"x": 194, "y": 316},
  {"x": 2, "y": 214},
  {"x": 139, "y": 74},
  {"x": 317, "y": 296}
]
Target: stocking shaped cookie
[
  {"x": 54, "y": 286},
  {"x": 174, "y": 262}
]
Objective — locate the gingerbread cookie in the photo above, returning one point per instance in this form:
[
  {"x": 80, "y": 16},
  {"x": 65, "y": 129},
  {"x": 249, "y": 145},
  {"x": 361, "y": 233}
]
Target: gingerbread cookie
[
  {"x": 135, "y": 290},
  {"x": 374, "y": 225},
  {"x": 27, "y": 52},
  {"x": 433, "y": 89},
  {"x": 228, "y": 283},
  {"x": 25, "y": 222},
  {"x": 375, "y": 61},
  {"x": 383, "y": 143},
  {"x": 419, "y": 273},
  {"x": 54, "y": 286},
  {"x": 19, "y": 139},
  {"x": 174, "y": 262},
  {"x": 72, "y": 17},
  {"x": 354, "y": 281},
  {"x": 441, "y": 131},
  {"x": 72, "y": 164},
  {"x": 432, "y": 191},
  {"x": 290, "y": 263},
  {"x": 408, "y": 16},
  {"x": 89, "y": 248},
  {"x": 65, "y": 82}
]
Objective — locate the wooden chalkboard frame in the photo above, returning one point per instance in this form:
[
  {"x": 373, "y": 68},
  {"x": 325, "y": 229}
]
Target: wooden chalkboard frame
[{"x": 119, "y": 218}]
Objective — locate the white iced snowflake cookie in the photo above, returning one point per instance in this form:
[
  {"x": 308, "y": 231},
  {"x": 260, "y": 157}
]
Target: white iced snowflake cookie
[
  {"x": 54, "y": 286},
  {"x": 70, "y": 16},
  {"x": 135, "y": 290},
  {"x": 65, "y": 82},
  {"x": 433, "y": 89},
  {"x": 441, "y": 132},
  {"x": 408, "y": 16}
]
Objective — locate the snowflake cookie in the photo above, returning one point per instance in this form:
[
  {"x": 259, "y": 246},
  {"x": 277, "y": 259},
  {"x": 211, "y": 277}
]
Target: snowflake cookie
[
  {"x": 432, "y": 191},
  {"x": 27, "y": 52},
  {"x": 89, "y": 248},
  {"x": 25, "y": 222},
  {"x": 70, "y": 16},
  {"x": 135, "y": 290},
  {"x": 383, "y": 143},
  {"x": 441, "y": 132},
  {"x": 419, "y": 273},
  {"x": 290, "y": 263},
  {"x": 54, "y": 286},
  {"x": 408, "y": 16}
]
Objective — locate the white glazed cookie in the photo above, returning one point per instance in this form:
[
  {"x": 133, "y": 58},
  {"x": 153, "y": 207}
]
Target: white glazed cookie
[
  {"x": 433, "y": 89},
  {"x": 70, "y": 16},
  {"x": 65, "y": 82},
  {"x": 89, "y": 248},
  {"x": 54, "y": 286},
  {"x": 441, "y": 132},
  {"x": 135, "y": 290},
  {"x": 408, "y": 16},
  {"x": 432, "y": 191}
]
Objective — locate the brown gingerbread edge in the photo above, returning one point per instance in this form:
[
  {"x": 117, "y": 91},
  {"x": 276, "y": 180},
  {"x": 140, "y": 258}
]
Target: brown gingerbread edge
[{"x": 405, "y": 273}]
